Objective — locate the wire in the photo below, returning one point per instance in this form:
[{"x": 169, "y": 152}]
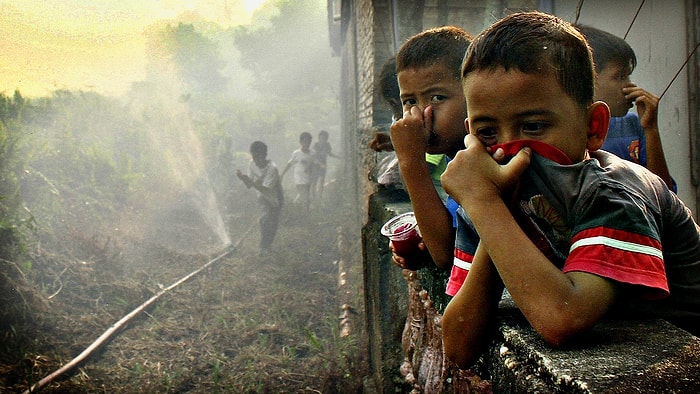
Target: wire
[
  {"x": 680, "y": 69},
  {"x": 578, "y": 10},
  {"x": 633, "y": 19}
]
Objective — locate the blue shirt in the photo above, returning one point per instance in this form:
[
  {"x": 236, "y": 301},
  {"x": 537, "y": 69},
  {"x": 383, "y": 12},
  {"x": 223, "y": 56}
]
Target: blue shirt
[{"x": 626, "y": 139}]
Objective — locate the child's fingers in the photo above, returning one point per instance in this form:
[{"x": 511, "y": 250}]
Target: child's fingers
[
  {"x": 428, "y": 118},
  {"x": 520, "y": 161},
  {"x": 499, "y": 155},
  {"x": 412, "y": 110},
  {"x": 398, "y": 260},
  {"x": 471, "y": 140},
  {"x": 636, "y": 93}
]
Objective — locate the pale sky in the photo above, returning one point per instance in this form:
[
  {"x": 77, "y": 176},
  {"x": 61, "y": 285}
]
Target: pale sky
[{"x": 95, "y": 45}]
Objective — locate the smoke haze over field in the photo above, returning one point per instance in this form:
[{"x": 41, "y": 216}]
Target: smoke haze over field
[
  {"x": 122, "y": 127},
  {"x": 164, "y": 98},
  {"x": 93, "y": 45}
]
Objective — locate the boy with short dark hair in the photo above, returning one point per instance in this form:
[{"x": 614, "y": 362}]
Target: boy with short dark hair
[
  {"x": 322, "y": 151},
  {"x": 428, "y": 74},
  {"x": 388, "y": 87},
  {"x": 631, "y": 136},
  {"x": 264, "y": 177},
  {"x": 573, "y": 233},
  {"x": 303, "y": 162}
]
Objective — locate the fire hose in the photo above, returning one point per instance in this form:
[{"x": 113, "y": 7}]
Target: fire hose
[{"x": 124, "y": 320}]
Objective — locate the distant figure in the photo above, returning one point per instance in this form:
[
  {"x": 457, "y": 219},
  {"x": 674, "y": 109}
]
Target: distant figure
[
  {"x": 303, "y": 163},
  {"x": 321, "y": 151},
  {"x": 264, "y": 177}
]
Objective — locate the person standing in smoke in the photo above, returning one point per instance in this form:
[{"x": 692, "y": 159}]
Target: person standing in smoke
[
  {"x": 321, "y": 151},
  {"x": 303, "y": 162},
  {"x": 263, "y": 176}
]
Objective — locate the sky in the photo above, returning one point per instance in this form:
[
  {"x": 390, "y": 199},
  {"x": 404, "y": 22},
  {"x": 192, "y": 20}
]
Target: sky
[{"x": 95, "y": 45}]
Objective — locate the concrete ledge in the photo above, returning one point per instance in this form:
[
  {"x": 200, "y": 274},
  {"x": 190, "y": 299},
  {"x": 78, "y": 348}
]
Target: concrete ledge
[{"x": 616, "y": 357}]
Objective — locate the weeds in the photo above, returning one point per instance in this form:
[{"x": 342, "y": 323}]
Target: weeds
[{"x": 98, "y": 225}]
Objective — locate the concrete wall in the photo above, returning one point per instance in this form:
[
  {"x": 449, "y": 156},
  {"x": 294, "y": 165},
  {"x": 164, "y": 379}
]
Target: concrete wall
[{"x": 403, "y": 316}]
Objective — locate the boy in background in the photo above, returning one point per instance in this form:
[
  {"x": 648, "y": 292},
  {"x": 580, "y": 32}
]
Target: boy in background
[
  {"x": 303, "y": 163},
  {"x": 428, "y": 74},
  {"x": 573, "y": 233},
  {"x": 264, "y": 177},
  {"x": 631, "y": 136},
  {"x": 322, "y": 151},
  {"x": 388, "y": 87}
]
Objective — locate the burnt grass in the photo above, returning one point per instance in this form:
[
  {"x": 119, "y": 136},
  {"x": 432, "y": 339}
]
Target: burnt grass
[{"x": 246, "y": 324}]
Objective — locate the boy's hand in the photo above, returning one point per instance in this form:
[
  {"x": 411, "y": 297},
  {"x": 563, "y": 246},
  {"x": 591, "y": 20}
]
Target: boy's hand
[
  {"x": 647, "y": 105},
  {"x": 381, "y": 143},
  {"x": 410, "y": 134},
  {"x": 245, "y": 178},
  {"x": 474, "y": 175},
  {"x": 412, "y": 262}
]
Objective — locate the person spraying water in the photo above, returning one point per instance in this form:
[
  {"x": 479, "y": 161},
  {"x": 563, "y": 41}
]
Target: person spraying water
[{"x": 263, "y": 176}]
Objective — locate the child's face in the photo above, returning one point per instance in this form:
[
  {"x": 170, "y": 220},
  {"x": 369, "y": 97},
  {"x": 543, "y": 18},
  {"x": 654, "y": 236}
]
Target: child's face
[
  {"x": 506, "y": 106},
  {"x": 259, "y": 159},
  {"x": 608, "y": 88},
  {"x": 435, "y": 86}
]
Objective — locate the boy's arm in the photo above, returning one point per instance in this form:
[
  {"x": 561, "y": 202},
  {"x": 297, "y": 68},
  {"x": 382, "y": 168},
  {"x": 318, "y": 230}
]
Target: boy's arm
[
  {"x": 410, "y": 139},
  {"x": 268, "y": 193},
  {"x": 268, "y": 186},
  {"x": 286, "y": 167},
  {"x": 647, "y": 109},
  {"x": 557, "y": 305},
  {"x": 470, "y": 315},
  {"x": 245, "y": 178},
  {"x": 381, "y": 143}
]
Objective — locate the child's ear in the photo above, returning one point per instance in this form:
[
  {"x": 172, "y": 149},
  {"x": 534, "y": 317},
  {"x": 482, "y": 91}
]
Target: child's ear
[{"x": 598, "y": 122}]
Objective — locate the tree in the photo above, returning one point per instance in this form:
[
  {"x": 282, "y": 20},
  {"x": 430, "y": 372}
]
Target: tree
[
  {"x": 184, "y": 55},
  {"x": 290, "y": 53}
]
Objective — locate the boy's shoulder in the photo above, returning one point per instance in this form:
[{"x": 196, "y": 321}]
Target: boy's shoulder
[
  {"x": 604, "y": 176},
  {"x": 601, "y": 167},
  {"x": 613, "y": 163},
  {"x": 629, "y": 119},
  {"x": 553, "y": 175}
]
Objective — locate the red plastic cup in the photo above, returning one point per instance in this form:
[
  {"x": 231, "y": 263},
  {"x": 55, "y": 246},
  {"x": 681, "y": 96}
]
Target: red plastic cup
[{"x": 404, "y": 234}]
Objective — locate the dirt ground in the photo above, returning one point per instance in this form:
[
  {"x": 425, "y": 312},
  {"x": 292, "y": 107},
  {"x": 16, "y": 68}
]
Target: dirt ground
[{"x": 248, "y": 323}]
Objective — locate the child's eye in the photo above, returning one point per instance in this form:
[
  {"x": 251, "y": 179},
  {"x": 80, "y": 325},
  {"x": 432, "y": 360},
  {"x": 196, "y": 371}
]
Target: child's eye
[
  {"x": 486, "y": 134},
  {"x": 437, "y": 98},
  {"x": 533, "y": 127},
  {"x": 624, "y": 77},
  {"x": 408, "y": 103}
]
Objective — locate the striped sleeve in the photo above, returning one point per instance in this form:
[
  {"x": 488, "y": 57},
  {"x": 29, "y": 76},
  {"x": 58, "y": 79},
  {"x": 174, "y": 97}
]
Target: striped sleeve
[{"x": 622, "y": 256}]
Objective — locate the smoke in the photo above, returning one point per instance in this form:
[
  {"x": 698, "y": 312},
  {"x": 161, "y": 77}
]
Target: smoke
[{"x": 159, "y": 161}]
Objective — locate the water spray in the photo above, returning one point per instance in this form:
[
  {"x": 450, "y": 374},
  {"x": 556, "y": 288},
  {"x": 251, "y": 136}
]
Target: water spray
[{"x": 124, "y": 320}]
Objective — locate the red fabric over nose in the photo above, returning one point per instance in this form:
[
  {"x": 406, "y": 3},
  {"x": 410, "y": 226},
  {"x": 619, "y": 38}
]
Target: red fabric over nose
[{"x": 543, "y": 149}]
